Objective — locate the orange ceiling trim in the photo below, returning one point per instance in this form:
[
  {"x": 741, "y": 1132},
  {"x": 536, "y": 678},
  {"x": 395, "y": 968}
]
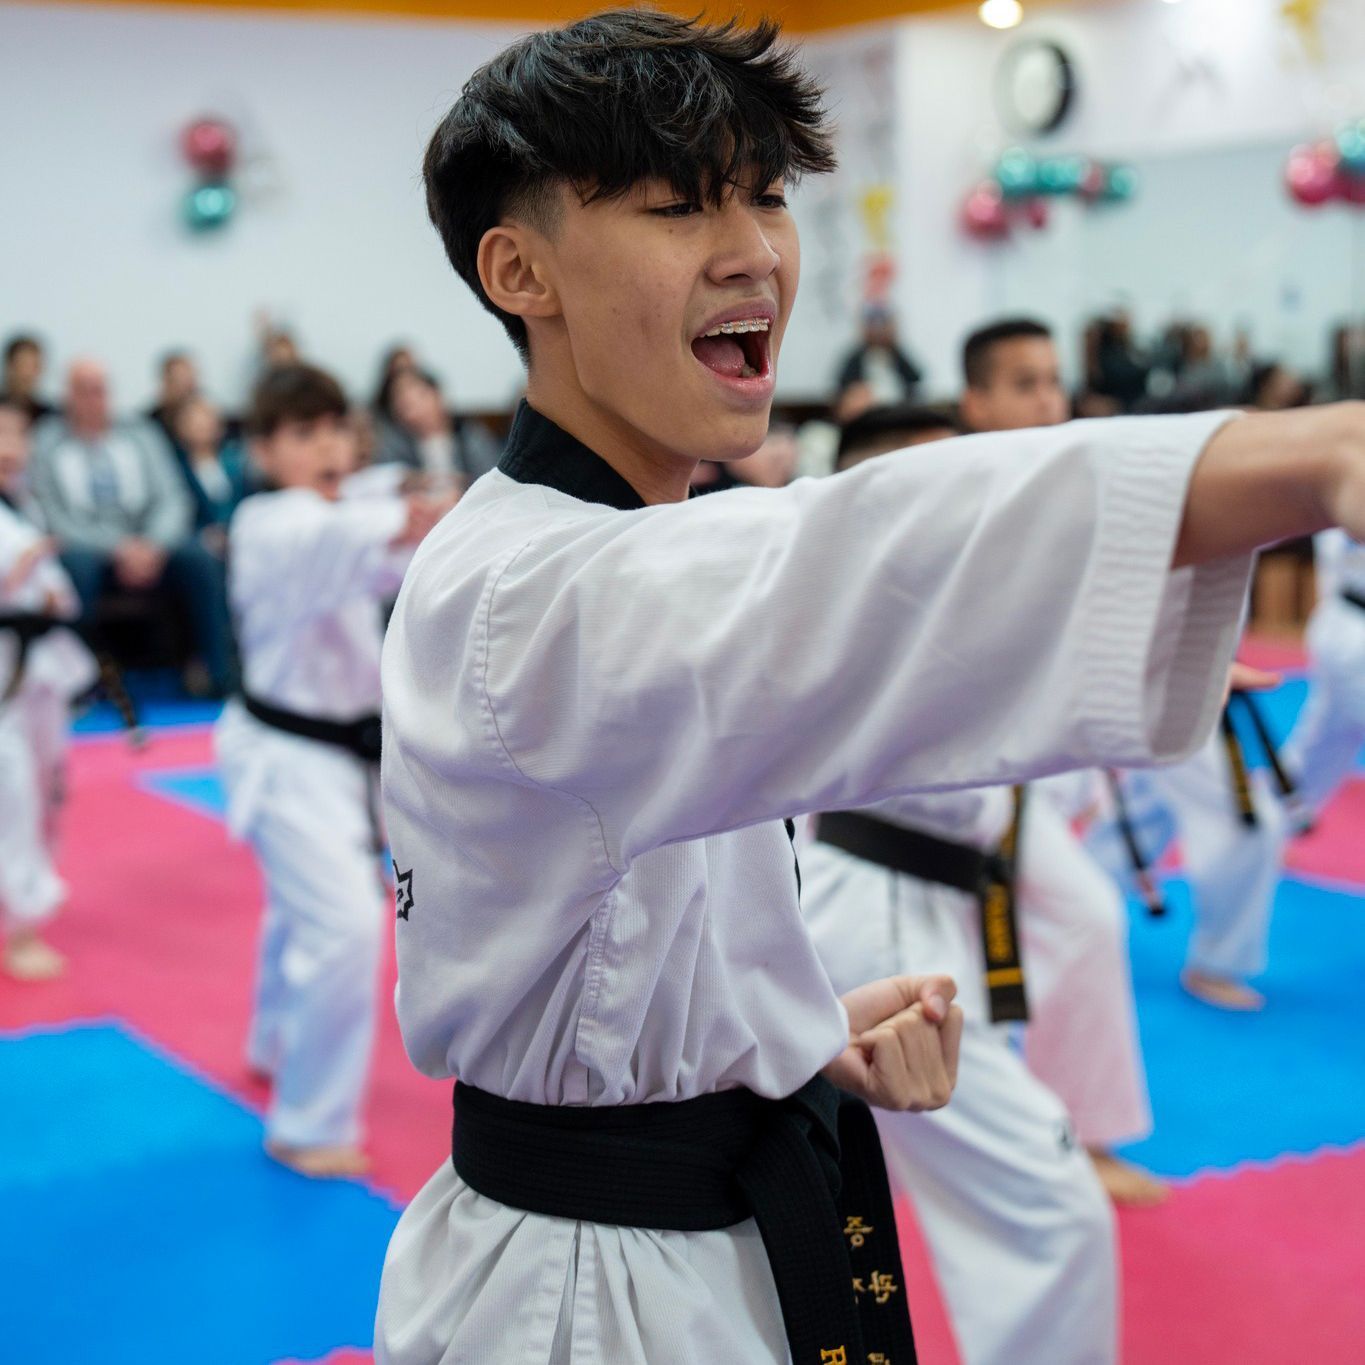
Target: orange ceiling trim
[{"x": 797, "y": 15}]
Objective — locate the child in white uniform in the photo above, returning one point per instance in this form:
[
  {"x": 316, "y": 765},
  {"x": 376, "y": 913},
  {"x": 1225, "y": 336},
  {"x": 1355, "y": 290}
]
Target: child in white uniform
[
  {"x": 42, "y": 667},
  {"x": 592, "y": 685},
  {"x": 307, "y": 574},
  {"x": 1326, "y": 742}
]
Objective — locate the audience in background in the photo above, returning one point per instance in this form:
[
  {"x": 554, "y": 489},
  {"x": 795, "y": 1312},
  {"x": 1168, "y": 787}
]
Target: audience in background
[
  {"x": 450, "y": 450},
  {"x": 214, "y": 467},
  {"x": 111, "y": 494},
  {"x": 143, "y": 506},
  {"x": 1115, "y": 367},
  {"x": 879, "y": 363},
  {"x": 24, "y": 376},
  {"x": 178, "y": 380}
]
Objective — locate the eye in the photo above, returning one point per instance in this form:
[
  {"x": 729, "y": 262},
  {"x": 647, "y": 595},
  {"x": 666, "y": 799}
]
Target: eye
[
  {"x": 775, "y": 200},
  {"x": 680, "y": 210}
]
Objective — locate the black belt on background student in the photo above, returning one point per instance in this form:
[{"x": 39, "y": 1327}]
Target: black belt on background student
[
  {"x": 807, "y": 1169},
  {"x": 1356, "y": 599},
  {"x": 989, "y": 876},
  {"x": 1236, "y": 756},
  {"x": 25, "y": 627},
  {"x": 360, "y": 737}
]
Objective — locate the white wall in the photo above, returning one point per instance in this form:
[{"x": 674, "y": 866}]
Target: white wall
[
  {"x": 1170, "y": 86},
  {"x": 332, "y": 232},
  {"x": 334, "y": 239},
  {"x": 333, "y": 236}
]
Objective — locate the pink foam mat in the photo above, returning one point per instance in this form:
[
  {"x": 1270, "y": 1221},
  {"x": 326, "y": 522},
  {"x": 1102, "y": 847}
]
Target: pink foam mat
[{"x": 1249, "y": 1268}]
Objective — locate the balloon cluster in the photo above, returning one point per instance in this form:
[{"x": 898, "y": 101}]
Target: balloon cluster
[
  {"x": 1332, "y": 169},
  {"x": 210, "y": 146},
  {"x": 1021, "y": 185}
]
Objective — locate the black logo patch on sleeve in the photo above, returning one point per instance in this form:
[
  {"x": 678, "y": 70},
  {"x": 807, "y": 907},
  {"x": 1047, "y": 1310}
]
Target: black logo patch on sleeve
[{"x": 403, "y": 891}]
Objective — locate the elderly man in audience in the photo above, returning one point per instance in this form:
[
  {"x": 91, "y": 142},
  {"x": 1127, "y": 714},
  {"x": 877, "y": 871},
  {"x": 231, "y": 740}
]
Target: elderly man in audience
[{"x": 111, "y": 494}]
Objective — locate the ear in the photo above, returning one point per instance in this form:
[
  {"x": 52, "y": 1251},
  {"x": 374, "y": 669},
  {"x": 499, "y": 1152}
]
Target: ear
[{"x": 512, "y": 270}]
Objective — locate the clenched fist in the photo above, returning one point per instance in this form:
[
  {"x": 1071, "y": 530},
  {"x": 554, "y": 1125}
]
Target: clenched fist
[{"x": 904, "y": 1036}]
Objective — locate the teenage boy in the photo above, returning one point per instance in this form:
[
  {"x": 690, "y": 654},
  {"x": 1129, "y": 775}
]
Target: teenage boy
[
  {"x": 1004, "y": 1193},
  {"x": 42, "y": 667},
  {"x": 308, "y": 572},
  {"x": 592, "y": 685},
  {"x": 1082, "y": 1038}
]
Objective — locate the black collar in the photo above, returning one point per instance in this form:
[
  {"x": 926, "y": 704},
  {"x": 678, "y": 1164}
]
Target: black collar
[{"x": 538, "y": 451}]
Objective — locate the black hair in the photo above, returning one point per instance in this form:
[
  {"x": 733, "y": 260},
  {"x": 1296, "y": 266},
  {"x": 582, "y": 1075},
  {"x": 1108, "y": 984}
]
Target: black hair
[
  {"x": 293, "y": 393},
  {"x": 21, "y": 341},
  {"x": 976, "y": 351},
  {"x": 606, "y": 103},
  {"x": 901, "y": 420},
  {"x": 170, "y": 358}
]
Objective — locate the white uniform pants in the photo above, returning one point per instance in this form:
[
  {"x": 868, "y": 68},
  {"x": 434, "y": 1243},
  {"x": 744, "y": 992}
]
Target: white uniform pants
[
  {"x": 1331, "y": 729},
  {"x": 32, "y": 744},
  {"x": 1020, "y": 1230},
  {"x": 1233, "y": 868},
  {"x": 1082, "y": 1038},
  {"x": 321, "y": 933}
]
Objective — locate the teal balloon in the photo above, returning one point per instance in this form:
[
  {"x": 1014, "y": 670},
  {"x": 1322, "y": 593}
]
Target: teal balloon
[
  {"x": 1061, "y": 174},
  {"x": 1017, "y": 175},
  {"x": 1351, "y": 147},
  {"x": 1120, "y": 184},
  {"x": 208, "y": 207}
]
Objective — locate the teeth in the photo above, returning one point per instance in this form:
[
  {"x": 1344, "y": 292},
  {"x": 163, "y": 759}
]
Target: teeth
[{"x": 742, "y": 325}]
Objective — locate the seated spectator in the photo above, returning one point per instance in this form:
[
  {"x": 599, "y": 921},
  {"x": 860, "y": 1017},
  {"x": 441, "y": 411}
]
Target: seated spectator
[
  {"x": 1116, "y": 368},
  {"x": 24, "y": 377},
  {"x": 179, "y": 379},
  {"x": 111, "y": 495},
  {"x": 879, "y": 361},
  {"x": 450, "y": 450},
  {"x": 215, "y": 468},
  {"x": 1275, "y": 387},
  {"x": 394, "y": 444}
]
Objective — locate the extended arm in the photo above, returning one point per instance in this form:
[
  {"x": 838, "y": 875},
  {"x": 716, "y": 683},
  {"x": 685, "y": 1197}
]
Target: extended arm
[{"x": 1275, "y": 476}]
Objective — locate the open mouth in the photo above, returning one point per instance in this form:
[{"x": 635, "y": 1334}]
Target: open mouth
[{"x": 736, "y": 350}]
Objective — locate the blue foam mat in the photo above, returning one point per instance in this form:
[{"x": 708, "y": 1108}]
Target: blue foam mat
[
  {"x": 141, "y": 1222},
  {"x": 1229, "y": 1088}
]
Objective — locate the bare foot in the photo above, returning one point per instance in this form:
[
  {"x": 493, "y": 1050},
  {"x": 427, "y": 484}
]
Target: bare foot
[
  {"x": 321, "y": 1163},
  {"x": 1127, "y": 1185},
  {"x": 28, "y": 958},
  {"x": 1221, "y": 992}
]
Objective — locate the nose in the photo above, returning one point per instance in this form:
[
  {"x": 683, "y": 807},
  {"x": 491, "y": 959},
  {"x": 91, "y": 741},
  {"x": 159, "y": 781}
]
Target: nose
[{"x": 741, "y": 247}]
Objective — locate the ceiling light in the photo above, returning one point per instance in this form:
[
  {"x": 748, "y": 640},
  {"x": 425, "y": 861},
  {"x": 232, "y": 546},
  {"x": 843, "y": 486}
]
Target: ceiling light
[{"x": 1001, "y": 13}]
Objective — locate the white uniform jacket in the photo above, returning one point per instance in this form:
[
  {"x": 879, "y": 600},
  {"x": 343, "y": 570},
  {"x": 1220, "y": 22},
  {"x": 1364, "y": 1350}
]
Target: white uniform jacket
[
  {"x": 596, "y": 715},
  {"x": 305, "y": 582}
]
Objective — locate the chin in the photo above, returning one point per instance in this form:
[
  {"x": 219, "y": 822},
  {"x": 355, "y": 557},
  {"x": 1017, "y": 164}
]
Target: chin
[{"x": 734, "y": 436}]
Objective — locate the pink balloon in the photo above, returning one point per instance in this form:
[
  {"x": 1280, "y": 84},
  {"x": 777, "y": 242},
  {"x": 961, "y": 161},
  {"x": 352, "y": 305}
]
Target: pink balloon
[
  {"x": 1311, "y": 175},
  {"x": 209, "y": 145},
  {"x": 983, "y": 215}
]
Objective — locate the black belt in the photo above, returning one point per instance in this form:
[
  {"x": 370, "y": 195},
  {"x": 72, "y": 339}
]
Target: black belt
[
  {"x": 360, "y": 737},
  {"x": 807, "y": 1169},
  {"x": 26, "y": 627},
  {"x": 1141, "y": 863},
  {"x": 1237, "y": 766},
  {"x": 989, "y": 876},
  {"x": 1356, "y": 599}
]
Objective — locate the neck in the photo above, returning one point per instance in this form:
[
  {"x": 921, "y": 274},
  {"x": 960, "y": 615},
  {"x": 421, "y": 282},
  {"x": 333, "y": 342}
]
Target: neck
[{"x": 657, "y": 475}]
